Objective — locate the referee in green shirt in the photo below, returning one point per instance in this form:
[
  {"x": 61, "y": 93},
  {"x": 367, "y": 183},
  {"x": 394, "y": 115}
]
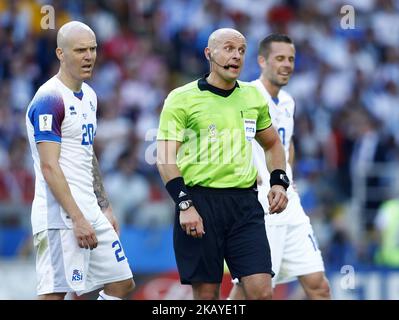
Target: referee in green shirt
[{"x": 204, "y": 156}]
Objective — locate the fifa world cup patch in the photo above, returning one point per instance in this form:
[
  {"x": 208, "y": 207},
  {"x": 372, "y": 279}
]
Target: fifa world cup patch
[
  {"x": 212, "y": 132},
  {"x": 45, "y": 122}
]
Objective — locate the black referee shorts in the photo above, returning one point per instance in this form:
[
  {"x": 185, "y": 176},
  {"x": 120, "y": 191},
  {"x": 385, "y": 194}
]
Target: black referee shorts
[{"x": 234, "y": 231}]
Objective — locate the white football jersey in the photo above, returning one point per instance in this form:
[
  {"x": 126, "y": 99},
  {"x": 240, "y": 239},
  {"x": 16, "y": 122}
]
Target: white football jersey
[
  {"x": 57, "y": 114},
  {"x": 282, "y": 114}
]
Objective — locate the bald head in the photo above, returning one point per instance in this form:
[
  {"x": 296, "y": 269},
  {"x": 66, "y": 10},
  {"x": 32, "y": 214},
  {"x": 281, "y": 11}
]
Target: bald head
[
  {"x": 77, "y": 51},
  {"x": 69, "y": 31},
  {"x": 225, "y": 53},
  {"x": 220, "y": 35}
]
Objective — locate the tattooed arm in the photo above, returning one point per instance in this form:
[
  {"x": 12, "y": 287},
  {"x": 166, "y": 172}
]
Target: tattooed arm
[
  {"x": 102, "y": 198},
  {"x": 101, "y": 195}
]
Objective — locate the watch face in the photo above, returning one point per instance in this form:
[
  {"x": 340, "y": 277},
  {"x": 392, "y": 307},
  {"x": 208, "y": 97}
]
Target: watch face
[{"x": 183, "y": 205}]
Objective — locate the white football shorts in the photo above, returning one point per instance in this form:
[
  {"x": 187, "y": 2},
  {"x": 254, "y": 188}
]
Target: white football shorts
[
  {"x": 62, "y": 266},
  {"x": 294, "y": 251}
]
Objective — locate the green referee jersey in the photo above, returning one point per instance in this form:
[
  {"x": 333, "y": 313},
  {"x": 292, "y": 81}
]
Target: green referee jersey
[{"x": 215, "y": 127}]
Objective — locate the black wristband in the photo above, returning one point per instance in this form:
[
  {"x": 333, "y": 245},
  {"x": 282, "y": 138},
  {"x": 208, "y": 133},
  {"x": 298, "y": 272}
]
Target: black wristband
[
  {"x": 177, "y": 190},
  {"x": 279, "y": 177}
]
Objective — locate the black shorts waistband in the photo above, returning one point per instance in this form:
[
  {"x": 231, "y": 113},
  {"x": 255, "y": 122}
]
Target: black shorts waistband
[{"x": 208, "y": 190}]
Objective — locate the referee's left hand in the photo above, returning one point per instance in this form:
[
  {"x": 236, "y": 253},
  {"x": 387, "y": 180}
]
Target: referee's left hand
[
  {"x": 277, "y": 199},
  {"x": 191, "y": 223}
]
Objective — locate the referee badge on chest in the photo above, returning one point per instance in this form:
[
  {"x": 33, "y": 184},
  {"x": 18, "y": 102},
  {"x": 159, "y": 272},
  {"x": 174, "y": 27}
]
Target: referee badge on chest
[{"x": 250, "y": 128}]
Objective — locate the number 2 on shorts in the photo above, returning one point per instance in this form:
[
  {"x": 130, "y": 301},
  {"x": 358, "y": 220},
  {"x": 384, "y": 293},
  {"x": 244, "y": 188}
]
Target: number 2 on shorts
[{"x": 118, "y": 252}]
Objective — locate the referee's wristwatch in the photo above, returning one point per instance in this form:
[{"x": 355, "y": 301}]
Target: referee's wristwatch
[{"x": 185, "y": 205}]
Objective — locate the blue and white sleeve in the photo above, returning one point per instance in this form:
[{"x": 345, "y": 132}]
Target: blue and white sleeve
[{"x": 46, "y": 114}]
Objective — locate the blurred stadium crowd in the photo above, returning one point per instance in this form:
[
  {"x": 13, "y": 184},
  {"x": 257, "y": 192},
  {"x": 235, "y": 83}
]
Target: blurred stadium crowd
[{"x": 346, "y": 87}]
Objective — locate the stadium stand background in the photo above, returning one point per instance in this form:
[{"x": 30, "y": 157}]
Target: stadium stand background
[{"x": 346, "y": 87}]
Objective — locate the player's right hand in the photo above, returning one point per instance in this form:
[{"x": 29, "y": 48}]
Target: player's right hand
[
  {"x": 191, "y": 223},
  {"x": 85, "y": 234}
]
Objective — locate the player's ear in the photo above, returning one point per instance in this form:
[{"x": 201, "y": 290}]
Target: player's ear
[
  {"x": 60, "y": 54},
  {"x": 261, "y": 61}
]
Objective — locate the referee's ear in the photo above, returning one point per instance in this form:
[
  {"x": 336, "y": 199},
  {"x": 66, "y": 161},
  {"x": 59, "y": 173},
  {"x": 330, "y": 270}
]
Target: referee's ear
[{"x": 207, "y": 52}]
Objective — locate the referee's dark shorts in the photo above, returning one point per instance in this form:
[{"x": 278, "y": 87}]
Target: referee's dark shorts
[{"x": 235, "y": 231}]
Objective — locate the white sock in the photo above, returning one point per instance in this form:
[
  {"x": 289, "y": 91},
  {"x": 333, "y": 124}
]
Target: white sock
[{"x": 103, "y": 296}]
